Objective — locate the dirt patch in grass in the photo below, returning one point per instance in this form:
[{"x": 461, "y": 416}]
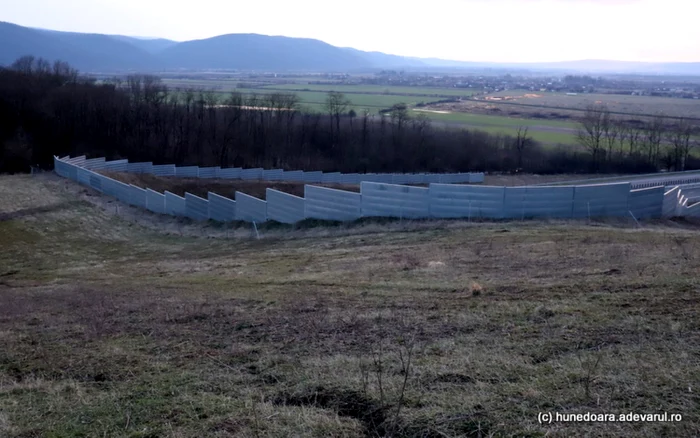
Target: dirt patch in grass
[{"x": 223, "y": 187}]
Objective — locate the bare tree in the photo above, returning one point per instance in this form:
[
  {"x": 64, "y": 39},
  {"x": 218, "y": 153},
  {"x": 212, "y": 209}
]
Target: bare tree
[
  {"x": 654, "y": 133},
  {"x": 592, "y": 130},
  {"x": 336, "y": 104},
  {"x": 680, "y": 139},
  {"x": 522, "y": 143},
  {"x": 610, "y": 134}
]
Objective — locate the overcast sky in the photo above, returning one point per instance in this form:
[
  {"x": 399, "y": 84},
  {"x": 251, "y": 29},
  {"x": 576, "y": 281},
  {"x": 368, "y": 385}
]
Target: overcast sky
[{"x": 468, "y": 30}]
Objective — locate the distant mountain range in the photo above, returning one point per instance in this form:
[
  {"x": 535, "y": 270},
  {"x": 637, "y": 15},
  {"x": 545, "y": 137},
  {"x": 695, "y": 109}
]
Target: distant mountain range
[{"x": 118, "y": 53}]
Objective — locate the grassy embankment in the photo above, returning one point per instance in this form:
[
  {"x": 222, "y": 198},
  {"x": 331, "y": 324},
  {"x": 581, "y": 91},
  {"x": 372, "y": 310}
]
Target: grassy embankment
[{"x": 110, "y": 326}]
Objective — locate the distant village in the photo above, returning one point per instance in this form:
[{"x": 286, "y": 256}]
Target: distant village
[{"x": 482, "y": 84}]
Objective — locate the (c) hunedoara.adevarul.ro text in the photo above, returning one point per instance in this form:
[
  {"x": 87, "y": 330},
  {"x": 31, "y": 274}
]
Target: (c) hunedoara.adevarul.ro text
[{"x": 558, "y": 417}]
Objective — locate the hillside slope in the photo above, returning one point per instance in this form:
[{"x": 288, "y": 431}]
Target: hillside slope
[
  {"x": 252, "y": 51},
  {"x": 88, "y": 52},
  {"x": 113, "y": 53}
]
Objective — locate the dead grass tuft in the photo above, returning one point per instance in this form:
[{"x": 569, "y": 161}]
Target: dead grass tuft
[{"x": 475, "y": 289}]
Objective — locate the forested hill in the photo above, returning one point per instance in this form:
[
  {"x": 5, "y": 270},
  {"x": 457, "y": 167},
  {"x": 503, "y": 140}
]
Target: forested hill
[{"x": 95, "y": 52}]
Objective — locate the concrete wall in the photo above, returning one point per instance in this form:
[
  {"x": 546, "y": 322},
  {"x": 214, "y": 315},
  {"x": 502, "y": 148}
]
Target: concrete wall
[
  {"x": 250, "y": 208},
  {"x": 459, "y": 201},
  {"x": 272, "y": 174},
  {"x": 174, "y": 204},
  {"x": 647, "y": 203},
  {"x": 94, "y": 163},
  {"x": 330, "y": 204},
  {"x": 116, "y": 165},
  {"x": 196, "y": 208},
  {"x": 230, "y": 173},
  {"x": 137, "y": 196},
  {"x": 208, "y": 172},
  {"x": 283, "y": 207},
  {"x": 604, "y": 200},
  {"x": 538, "y": 202},
  {"x": 221, "y": 209},
  {"x": 389, "y": 200},
  {"x": 155, "y": 201},
  {"x": 164, "y": 170},
  {"x": 251, "y": 174},
  {"x": 187, "y": 171},
  {"x": 145, "y": 167},
  {"x": 670, "y": 203}
]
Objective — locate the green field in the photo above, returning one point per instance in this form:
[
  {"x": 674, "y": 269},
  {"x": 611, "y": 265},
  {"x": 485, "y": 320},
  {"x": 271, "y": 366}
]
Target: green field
[
  {"x": 544, "y": 131},
  {"x": 367, "y": 97},
  {"x": 413, "y": 91}
]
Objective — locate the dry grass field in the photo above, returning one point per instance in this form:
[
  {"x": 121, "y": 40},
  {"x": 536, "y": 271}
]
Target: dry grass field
[
  {"x": 114, "y": 325},
  {"x": 650, "y": 105}
]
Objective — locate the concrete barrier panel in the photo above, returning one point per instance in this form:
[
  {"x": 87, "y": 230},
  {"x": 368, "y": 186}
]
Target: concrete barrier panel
[
  {"x": 538, "y": 202},
  {"x": 196, "y": 208},
  {"x": 670, "y": 201},
  {"x": 164, "y": 170},
  {"x": 331, "y": 204},
  {"x": 251, "y": 174},
  {"x": 140, "y": 168},
  {"x": 94, "y": 163},
  {"x": 83, "y": 176},
  {"x": 221, "y": 209},
  {"x": 155, "y": 201},
  {"x": 283, "y": 207},
  {"x": 476, "y": 178},
  {"x": 230, "y": 173},
  {"x": 313, "y": 177},
  {"x": 272, "y": 175},
  {"x": 390, "y": 200},
  {"x": 294, "y": 176},
  {"x": 122, "y": 191},
  {"x": 77, "y": 161},
  {"x": 208, "y": 172},
  {"x": 350, "y": 178},
  {"x": 174, "y": 205},
  {"x": 187, "y": 171},
  {"x": 116, "y": 165},
  {"x": 332, "y": 177},
  {"x": 462, "y": 201},
  {"x": 96, "y": 181},
  {"x": 604, "y": 200},
  {"x": 137, "y": 196},
  {"x": 250, "y": 208},
  {"x": 647, "y": 203}
]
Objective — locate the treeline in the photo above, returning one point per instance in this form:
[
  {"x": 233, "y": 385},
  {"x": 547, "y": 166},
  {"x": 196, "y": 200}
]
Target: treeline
[
  {"x": 658, "y": 143},
  {"x": 48, "y": 109}
]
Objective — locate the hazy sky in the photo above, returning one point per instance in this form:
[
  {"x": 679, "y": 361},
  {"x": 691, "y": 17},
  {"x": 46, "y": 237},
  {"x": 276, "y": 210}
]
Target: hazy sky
[{"x": 469, "y": 30}]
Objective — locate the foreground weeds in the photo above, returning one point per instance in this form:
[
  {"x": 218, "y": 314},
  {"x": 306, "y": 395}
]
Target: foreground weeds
[{"x": 110, "y": 329}]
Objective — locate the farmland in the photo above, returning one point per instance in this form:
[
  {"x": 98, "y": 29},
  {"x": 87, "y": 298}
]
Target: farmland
[
  {"x": 623, "y": 104},
  {"x": 545, "y": 131},
  {"x": 150, "y": 326},
  {"x": 550, "y": 116},
  {"x": 549, "y": 105},
  {"x": 376, "y": 89}
]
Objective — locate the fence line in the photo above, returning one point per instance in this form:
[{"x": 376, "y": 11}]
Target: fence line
[
  {"x": 378, "y": 199},
  {"x": 272, "y": 174}
]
